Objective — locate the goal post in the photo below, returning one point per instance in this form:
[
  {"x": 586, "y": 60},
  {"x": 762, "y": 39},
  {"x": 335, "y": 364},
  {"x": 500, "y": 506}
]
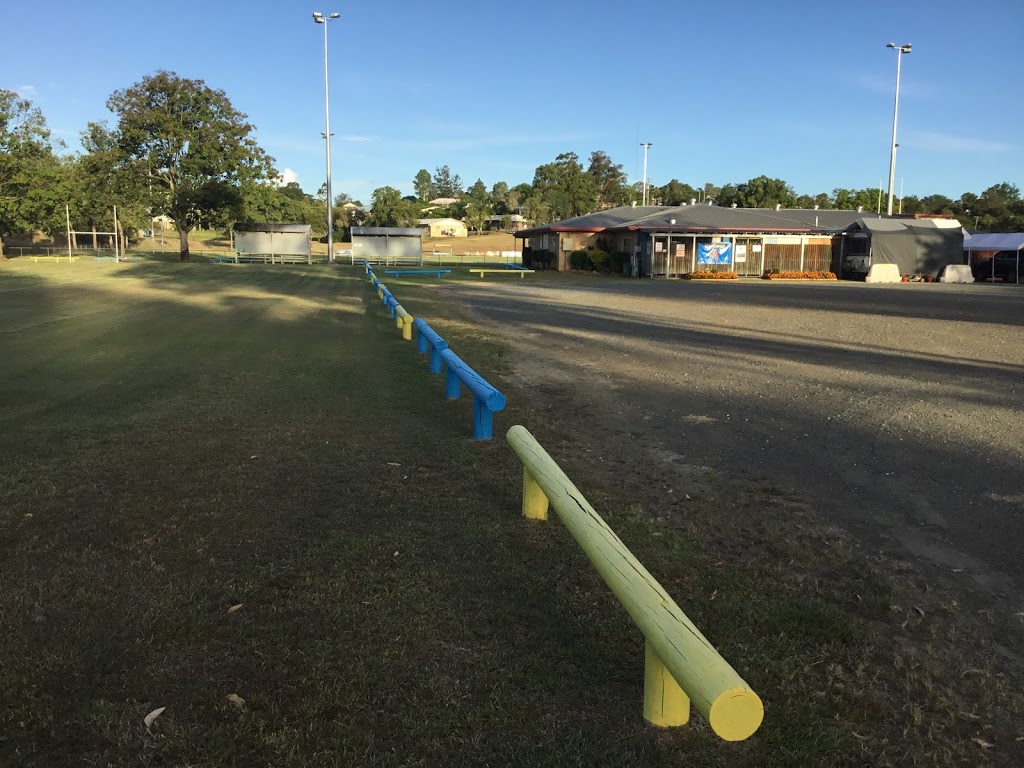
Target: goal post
[{"x": 442, "y": 251}]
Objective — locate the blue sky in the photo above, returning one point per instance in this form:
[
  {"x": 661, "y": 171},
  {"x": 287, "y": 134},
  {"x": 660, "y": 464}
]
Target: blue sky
[{"x": 724, "y": 91}]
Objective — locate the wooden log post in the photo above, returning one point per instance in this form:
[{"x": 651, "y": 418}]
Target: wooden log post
[
  {"x": 427, "y": 340},
  {"x": 535, "y": 503},
  {"x": 665, "y": 703},
  {"x": 404, "y": 322},
  {"x": 679, "y": 661},
  {"x": 486, "y": 399}
]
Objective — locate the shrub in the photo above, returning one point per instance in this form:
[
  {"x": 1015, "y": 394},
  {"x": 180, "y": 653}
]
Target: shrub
[
  {"x": 777, "y": 275},
  {"x": 538, "y": 259},
  {"x": 580, "y": 260},
  {"x": 598, "y": 260},
  {"x": 617, "y": 261},
  {"x": 705, "y": 275}
]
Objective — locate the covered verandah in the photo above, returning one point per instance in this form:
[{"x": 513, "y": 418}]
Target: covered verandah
[{"x": 674, "y": 254}]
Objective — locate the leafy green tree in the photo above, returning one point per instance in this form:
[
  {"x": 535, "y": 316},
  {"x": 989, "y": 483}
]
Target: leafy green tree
[
  {"x": 476, "y": 216},
  {"x": 566, "y": 188},
  {"x": 499, "y": 197},
  {"x": 537, "y": 210},
  {"x": 760, "y": 192},
  {"x": 33, "y": 182},
  {"x": 388, "y": 209},
  {"x": 192, "y": 145},
  {"x": 478, "y": 193},
  {"x": 609, "y": 180},
  {"x": 726, "y": 195},
  {"x": 424, "y": 185},
  {"x": 676, "y": 193},
  {"x": 1000, "y": 209},
  {"x": 937, "y": 204},
  {"x": 852, "y": 199},
  {"x": 911, "y": 204},
  {"x": 516, "y": 196},
  {"x": 446, "y": 184},
  {"x": 98, "y": 186}
]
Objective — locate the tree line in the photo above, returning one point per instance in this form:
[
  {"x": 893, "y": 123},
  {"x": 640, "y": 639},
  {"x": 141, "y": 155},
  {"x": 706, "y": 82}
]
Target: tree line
[{"x": 180, "y": 149}]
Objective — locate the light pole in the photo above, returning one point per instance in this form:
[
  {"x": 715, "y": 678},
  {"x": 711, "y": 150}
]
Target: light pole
[
  {"x": 900, "y": 50},
  {"x": 646, "y": 146},
  {"x": 319, "y": 18}
]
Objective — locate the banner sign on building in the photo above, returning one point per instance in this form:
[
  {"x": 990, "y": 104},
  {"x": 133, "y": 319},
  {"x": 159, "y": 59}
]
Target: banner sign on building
[{"x": 714, "y": 253}]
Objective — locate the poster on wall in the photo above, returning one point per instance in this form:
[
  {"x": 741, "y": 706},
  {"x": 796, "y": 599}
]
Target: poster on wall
[
  {"x": 680, "y": 251},
  {"x": 741, "y": 254},
  {"x": 714, "y": 253}
]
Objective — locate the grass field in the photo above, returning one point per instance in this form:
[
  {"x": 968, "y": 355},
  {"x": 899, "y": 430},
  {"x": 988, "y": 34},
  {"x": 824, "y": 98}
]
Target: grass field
[{"x": 184, "y": 440}]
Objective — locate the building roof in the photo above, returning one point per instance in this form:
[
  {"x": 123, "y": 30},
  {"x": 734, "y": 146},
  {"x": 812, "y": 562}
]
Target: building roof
[
  {"x": 242, "y": 226},
  {"x": 704, "y": 218},
  {"x": 595, "y": 222},
  {"x": 876, "y": 224},
  {"x": 428, "y": 222},
  {"x": 391, "y": 231},
  {"x": 444, "y": 200}
]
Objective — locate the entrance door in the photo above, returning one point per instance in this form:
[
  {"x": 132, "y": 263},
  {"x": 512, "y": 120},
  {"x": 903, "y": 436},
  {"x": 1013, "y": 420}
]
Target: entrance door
[
  {"x": 746, "y": 257},
  {"x": 659, "y": 266}
]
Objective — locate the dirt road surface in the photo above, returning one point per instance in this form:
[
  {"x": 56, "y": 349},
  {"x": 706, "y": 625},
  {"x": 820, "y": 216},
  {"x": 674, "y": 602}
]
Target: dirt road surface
[{"x": 897, "y": 412}]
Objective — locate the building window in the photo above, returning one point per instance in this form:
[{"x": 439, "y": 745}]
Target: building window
[{"x": 625, "y": 245}]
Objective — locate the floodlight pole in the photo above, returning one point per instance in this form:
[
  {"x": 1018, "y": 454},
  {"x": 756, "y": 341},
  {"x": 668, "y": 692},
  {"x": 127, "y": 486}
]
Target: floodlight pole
[
  {"x": 900, "y": 50},
  {"x": 646, "y": 146},
  {"x": 67, "y": 216},
  {"x": 319, "y": 18}
]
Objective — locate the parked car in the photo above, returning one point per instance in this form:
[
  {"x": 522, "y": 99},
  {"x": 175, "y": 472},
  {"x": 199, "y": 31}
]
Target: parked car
[{"x": 1002, "y": 267}]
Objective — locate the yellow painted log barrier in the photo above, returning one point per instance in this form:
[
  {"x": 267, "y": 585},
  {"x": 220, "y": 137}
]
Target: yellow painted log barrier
[
  {"x": 679, "y": 660},
  {"x": 404, "y": 322}
]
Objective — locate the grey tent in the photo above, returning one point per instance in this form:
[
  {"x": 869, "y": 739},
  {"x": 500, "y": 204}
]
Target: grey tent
[
  {"x": 1002, "y": 259},
  {"x": 916, "y": 246}
]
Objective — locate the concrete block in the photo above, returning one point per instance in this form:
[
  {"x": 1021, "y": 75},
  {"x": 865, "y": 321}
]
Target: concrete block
[
  {"x": 956, "y": 273},
  {"x": 883, "y": 273}
]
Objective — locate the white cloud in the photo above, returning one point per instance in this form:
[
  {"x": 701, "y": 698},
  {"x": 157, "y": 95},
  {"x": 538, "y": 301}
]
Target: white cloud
[
  {"x": 287, "y": 176},
  {"x": 27, "y": 91},
  {"x": 944, "y": 142}
]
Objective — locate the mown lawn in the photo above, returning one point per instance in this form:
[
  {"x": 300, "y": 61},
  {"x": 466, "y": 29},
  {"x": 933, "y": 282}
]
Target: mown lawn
[{"x": 228, "y": 480}]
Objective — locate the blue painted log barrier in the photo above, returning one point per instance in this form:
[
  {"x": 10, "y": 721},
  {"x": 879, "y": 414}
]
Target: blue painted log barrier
[
  {"x": 486, "y": 399},
  {"x": 435, "y": 272},
  {"x": 428, "y": 341}
]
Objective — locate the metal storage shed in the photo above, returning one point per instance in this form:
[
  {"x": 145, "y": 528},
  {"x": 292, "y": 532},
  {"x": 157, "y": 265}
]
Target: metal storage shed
[
  {"x": 390, "y": 245},
  {"x": 286, "y": 240}
]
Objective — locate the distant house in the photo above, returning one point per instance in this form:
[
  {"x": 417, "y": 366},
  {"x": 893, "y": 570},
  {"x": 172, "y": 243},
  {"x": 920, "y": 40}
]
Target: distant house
[
  {"x": 515, "y": 222},
  {"x": 444, "y": 201},
  {"x": 443, "y": 227}
]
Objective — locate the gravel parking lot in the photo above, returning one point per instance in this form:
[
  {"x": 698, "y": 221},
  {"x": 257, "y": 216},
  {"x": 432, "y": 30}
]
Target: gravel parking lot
[{"x": 896, "y": 411}]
